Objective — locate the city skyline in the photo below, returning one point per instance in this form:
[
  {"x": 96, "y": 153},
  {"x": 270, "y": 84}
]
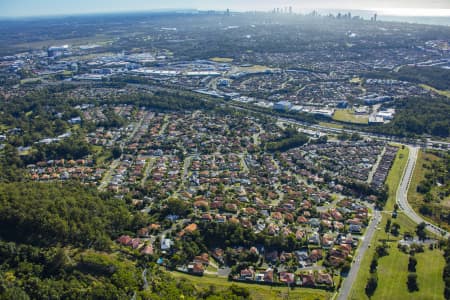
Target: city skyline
[{"x": 27, "y": 8}]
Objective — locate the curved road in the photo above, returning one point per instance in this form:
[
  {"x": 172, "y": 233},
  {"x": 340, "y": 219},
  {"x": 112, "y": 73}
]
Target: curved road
[
  {"x": 402, "y": 201},
  {"x": 402, "y": 195}
]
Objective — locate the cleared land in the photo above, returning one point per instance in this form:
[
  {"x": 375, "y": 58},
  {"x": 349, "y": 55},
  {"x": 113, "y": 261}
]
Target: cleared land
[{"x": 348, "y": 116}]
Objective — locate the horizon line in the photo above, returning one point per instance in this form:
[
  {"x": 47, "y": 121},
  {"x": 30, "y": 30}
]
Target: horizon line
[{"x": 391, "y": 12}]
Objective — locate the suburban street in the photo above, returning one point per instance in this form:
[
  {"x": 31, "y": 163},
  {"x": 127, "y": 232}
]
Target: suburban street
[
  {"x": 115, "y": 163},
  {"x": 402, "y": 201},
  {"x": 402, "y": 195},
  {"x": 351, "y": 277}
]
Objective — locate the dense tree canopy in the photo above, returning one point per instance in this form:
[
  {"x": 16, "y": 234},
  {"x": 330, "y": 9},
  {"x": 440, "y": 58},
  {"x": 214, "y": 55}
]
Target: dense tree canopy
[
  {"x": 416, "y": 116},
  {"x": 47, "y": 214}
]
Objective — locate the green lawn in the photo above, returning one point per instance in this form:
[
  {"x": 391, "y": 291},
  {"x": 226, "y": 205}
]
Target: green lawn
[
  {"x": 396, "y": 173},
  {"x": 101, "y": 155},
  {"x": 393, "y": 272},
  {"x": 30, "y": 80},
  {"x": 221, "y": 59},
  {"x": 430, "y": 88},
  {"x": 430, "y": 267},
  {"x": 257, "y": 291},
  {"x": 97, "y": 149},
  {"x": 331, "y": 125},
  {"x": 210, "y": 268},
  {"x": 254, "y": 69},
  {"x": 392, "y": 269},
  {"x": 348, "y": 116},
  {"x": 385, "y": 265}
]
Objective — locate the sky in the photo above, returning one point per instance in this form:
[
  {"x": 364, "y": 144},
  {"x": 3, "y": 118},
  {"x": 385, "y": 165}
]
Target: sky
[{"x": 18, "y": 8}]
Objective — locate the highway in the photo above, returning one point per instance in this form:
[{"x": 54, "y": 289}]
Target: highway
[
  {"x": 365, "y": 244},
  {"x": 425, "y": 143},
  {"x": 375, "y": 136},
  {"x": 402, "y": 195}
]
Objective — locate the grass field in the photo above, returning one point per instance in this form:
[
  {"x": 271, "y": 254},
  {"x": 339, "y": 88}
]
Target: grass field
[
  {"x": 392, "y": 269},
  {"x": 429, "y": 271},
  {"x": 221, "y": 59},
  {"x": 3, "y": 127},
  {"x": 393, "y": 272},
  {"x": 254, "y": 69},
  {"x": 430, "y": 88},
  {"x": 257, "y": 292},
  {"x": 396, "y": 173},
  {"x": 331, "y": 125},
  {"x": 30, "y": 80},
  {"x": 101, "y": 155},
  {"x": 348, "y": 116}
]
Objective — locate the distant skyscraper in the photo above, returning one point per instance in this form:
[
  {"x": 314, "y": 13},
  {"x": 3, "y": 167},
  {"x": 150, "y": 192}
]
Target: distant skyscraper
[
  {"x": 228, "y": 12},
  {"x": 375, "y": 17},
  {"x": 290, "y": 9}
]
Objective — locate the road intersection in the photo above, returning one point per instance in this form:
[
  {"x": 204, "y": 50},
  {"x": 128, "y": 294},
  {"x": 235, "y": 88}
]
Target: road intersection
[{"x": 402, "y": 201}]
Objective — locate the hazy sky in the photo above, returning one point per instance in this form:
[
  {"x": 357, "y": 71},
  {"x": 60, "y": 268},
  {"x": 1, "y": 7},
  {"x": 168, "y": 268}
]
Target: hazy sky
[{"x": 12, "y": 8}]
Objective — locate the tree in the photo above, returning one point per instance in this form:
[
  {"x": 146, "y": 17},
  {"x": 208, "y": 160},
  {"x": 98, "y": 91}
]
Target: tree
[
  {"x": 371, "y": 286},
  {"x": 388, "y": 226},
  {"x": 382, "y": 250},
  {"x": 355, "y": 137},
  {"x": 116, "y": 152},
  {"x": 412, "y": 264},
  {"x": 343, "y": 136},
  {"x": 57, "y": 262},
  {"x": 69, "y": 213},
  {"x": 15, "y": 293},
  {"x": 345, "y": 267},
  {"x": 428, "y": 198},
  {"x": 177, "y": 207},
  {"x": 373, "y": 265},
  {"x": 420, "y": 231},
  {"x": 240, "y": 291},
  {"x": 395, "y": 229},
  {"x": 412, "y": 282},
  {"x": 425, "y": 210}
]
